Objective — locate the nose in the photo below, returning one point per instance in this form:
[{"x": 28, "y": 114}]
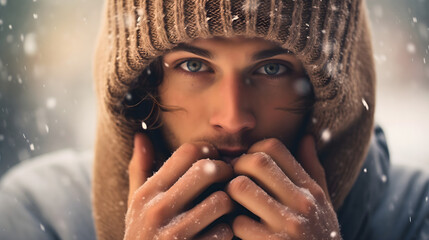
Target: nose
[{"x": 232, "y": 113}]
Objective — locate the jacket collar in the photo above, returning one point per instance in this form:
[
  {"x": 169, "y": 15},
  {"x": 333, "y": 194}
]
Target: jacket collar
[{"x": 368, "y": 188}]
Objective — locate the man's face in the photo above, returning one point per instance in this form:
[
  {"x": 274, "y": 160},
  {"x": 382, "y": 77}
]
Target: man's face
[{"x": 232, "y": 93}]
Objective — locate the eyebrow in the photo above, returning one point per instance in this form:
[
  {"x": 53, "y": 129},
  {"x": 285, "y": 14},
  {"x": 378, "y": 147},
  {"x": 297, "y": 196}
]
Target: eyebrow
[
  {"x": 257, "y": 56},
  {"x": 270, "y": 53},
  {"x": 192, "y": 49}
]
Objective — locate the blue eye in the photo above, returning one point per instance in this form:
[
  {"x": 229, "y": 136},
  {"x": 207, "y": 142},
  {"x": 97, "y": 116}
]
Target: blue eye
[
  {"x": 272, "y": 69},
  {"x": 193, "y": 66}
]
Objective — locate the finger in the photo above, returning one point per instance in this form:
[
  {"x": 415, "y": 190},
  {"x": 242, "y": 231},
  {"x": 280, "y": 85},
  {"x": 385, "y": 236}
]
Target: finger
[
  {"x": 289, "y": 165},
  {"x": 247, "y": 228},
  {"x": 181, "y": 160},
  {"x": 282, "y": 156},
  {"x": 307, "y": 154},
  {"x": 249, "y": 195},
  {"x": 221, "y": 231},
  {"x": 192, "y": 222},
  {"x": 267, "y": 174},
  {"x": 197, "y": 179},
  {"x": 140, "y": 166}
]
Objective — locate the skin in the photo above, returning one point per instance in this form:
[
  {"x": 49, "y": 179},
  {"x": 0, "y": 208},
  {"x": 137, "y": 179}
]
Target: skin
[{"x": 222, "y": 116}]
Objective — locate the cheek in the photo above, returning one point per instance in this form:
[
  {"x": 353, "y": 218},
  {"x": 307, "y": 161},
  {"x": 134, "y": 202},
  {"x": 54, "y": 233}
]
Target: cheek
[
  {"x": 185, "y": 117},
  {"x": 275, "y": 121},
  {"x": 279, "y": 120}
]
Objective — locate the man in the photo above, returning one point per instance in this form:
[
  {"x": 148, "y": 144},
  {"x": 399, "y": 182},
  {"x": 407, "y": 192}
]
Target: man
[{"x": 268, "y": 107}]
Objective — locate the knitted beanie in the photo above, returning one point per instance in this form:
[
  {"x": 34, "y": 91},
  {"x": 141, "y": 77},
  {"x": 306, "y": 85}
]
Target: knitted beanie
[{"x": 330, "y": 37}]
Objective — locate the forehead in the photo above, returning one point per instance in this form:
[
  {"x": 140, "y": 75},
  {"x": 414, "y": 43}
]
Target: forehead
[{"x": 247, "y": 48}]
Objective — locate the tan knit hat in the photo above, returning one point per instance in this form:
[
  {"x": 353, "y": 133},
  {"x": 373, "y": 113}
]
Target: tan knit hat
[{"x": 330, "y": 37}]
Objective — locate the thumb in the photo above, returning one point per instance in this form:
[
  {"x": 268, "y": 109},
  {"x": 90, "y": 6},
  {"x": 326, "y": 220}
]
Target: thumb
[
  {"x": 307, "y": 155},
  {"x": 140, "y": 166}
]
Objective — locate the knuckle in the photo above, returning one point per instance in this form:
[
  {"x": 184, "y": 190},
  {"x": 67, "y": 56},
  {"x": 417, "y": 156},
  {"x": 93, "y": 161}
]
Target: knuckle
[
  {"x": 157, "y": 213},
  {"x": 318, "y": 193},
  {"x": 221, "y": 198},
  {"x": 271, "y": 144},
  {"x": 239, "y": 184},
  {"x": 218, "y": 203},
  {"x": 224, "y": 231},
  {"x": 167, "y": 235},
  {"x": 260, "y": 160},
  {"x": 294, "y": 227},
  {"x": 307, "y": 206}
]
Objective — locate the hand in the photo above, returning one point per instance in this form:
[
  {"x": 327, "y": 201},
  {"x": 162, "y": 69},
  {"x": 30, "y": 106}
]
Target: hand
[
  {"x": 277, "y": 189},
  {"x": 160, "y": 207}
]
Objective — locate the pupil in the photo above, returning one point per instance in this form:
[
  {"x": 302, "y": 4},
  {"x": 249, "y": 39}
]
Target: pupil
[
  {"x": 194, "y": 66},
  {"x": 271, "y": 68}
]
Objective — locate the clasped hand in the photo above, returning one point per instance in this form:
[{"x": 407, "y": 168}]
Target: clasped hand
[{"x": 288, "y": 201}]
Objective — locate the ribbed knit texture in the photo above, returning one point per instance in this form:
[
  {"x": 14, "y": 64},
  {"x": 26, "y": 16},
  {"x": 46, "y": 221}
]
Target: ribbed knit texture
[{"x": 330, "y": 37}]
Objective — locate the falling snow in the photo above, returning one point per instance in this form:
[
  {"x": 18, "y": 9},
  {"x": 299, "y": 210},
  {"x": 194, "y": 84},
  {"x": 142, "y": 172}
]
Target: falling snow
[
  {"x": 30, "y": 45},
  {"x": 51, "y": 103},
  {"x": 1, "y": 137},
  {"x": 411, "y": 48},
  {"x": 144, "y": 126},
  {"x": 209, "y": 168},
  {"x": 333, "y": 234},
  {"x": 314, "y": 120},
  {"x": 365, "y": 104},
  {"x": 205, "y": 150},
  {"x": 35, "y": 16},
  {"x": 32, "y": 147},
  {"x": 302, "y": 86},
  {"x": 383, "y": 178},
  {"x": 3, "y": 2},
  {"x": 365, "y": 170},
  {"x": 42, "y": 227},
  {"x": 326, "y": 135},
  {"x": 129, "y": 96}
]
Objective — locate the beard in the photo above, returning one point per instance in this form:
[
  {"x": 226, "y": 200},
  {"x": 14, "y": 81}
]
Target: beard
[{"x": 243, "y": 140}]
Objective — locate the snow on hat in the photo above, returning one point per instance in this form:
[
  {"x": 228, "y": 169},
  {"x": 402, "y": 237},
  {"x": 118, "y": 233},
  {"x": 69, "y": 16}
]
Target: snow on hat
[{"x": 331, "y": 38}]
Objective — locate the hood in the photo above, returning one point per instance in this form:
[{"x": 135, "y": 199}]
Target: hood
[{"x": 331, "y": 39}]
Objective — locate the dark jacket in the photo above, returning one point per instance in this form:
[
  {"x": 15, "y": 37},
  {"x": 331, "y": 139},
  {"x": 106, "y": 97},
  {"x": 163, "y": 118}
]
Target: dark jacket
[{"x": 49, "y": 198}]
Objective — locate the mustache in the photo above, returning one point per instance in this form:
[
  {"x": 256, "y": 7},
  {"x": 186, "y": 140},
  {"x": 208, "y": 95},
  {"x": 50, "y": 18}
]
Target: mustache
[{"x": 237, "y": 141}]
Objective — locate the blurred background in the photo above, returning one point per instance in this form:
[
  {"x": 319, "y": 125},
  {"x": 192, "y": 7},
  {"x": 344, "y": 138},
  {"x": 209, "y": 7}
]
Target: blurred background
[{"x": 47, "y": 97}]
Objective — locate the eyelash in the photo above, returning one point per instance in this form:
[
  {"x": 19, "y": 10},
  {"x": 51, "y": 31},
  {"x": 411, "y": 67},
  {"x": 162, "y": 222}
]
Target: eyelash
[
  {"x": 283, "y": 68},
  {"x": 204, "y": 65}
]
